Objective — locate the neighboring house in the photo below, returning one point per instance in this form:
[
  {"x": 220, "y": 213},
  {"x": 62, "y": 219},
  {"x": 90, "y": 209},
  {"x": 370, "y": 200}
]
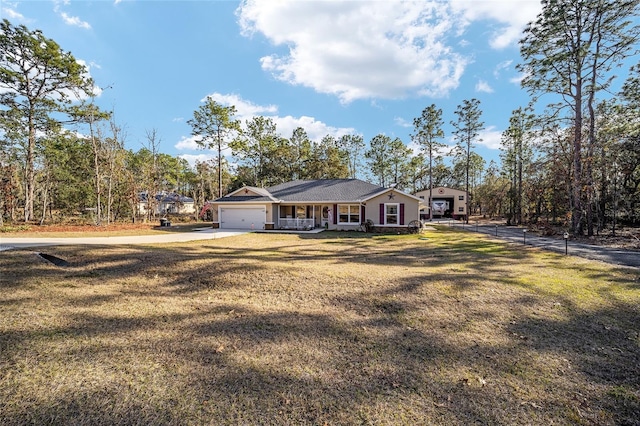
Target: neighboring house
[
  {"x": 166, "y": 202},
  {"x": 446, "y": 202},
  {"x": 342, "y": 204}
]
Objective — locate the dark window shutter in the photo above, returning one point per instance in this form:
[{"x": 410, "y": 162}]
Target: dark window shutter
[
  {"x": 401, "y": 213},
  {"x": 381, "y": 214},
  {"x": 363, "y": 216},
  {"x": 335, "y": 214}
]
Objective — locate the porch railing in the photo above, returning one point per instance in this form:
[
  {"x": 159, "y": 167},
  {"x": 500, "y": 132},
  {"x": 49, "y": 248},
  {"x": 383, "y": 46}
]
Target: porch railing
[{"x": 286, "y": 223}]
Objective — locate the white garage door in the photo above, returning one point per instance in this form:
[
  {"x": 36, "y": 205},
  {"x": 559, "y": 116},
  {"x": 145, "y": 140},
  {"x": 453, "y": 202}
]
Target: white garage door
[{"x": 242, "y": 217}]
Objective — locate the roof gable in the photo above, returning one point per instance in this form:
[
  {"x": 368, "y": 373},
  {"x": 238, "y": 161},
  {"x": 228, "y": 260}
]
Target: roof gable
[
  {"x": 385, "y": 190},
  {"x": 249, "y": 191},
  {"x": 442, "y": 191}
]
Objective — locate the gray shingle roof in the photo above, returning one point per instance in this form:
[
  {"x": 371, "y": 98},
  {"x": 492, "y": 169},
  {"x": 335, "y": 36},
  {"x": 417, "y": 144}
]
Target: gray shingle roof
[
  {"x": 338, "y": 190},
  {"x": 163, "y": 197},
  {"x": 320, "y": 190}
]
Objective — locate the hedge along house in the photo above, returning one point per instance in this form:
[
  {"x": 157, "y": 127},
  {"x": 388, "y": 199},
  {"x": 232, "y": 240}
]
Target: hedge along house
[
  {"x": 336, "y": 204},
  {"x": 446, "y": 202}
]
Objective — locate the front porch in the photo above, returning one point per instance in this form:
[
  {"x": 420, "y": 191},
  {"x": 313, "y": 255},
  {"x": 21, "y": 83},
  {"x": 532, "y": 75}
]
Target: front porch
[
  {"x": 342, "y": 217},
  {"x": 303, "y": 217},
  {"x": 298, "y": 224},
  {"x": 290, "y": 231}
]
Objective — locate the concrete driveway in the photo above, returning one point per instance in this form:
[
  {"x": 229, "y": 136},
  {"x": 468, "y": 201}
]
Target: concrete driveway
[{"x": 172, "y": 237}]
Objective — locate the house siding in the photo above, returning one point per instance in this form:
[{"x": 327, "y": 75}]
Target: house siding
[{"x": 408, "y": 209}]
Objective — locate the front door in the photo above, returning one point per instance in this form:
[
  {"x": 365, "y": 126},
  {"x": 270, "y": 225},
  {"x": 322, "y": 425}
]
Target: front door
[
  {"x": 327, "y": 216},
  {"x": 317, "y": 216}
]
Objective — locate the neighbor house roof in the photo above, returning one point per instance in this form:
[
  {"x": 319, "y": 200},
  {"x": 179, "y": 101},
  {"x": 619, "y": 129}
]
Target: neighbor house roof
[{"x": 166, "y": 197}]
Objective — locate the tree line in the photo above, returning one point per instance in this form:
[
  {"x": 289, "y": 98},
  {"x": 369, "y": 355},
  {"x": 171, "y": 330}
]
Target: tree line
[{"x": 577, "y": 162}]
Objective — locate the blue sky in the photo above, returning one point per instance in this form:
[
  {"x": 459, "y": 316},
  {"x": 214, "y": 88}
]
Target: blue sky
[{"x": 332, "y": 67}]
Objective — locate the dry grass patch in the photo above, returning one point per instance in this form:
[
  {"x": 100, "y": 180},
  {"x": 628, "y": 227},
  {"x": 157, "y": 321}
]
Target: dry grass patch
[
  {"x": 116, "y": 229},
  {"x": 336, "y": 328}
]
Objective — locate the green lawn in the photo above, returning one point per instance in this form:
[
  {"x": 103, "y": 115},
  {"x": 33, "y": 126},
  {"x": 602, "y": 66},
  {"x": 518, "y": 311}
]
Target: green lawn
[{"x": 336, "y": 328}]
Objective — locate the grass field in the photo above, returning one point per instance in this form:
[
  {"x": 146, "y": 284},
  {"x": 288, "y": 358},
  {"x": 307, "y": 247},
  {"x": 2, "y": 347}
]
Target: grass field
[{"x": 336, "y": 328}]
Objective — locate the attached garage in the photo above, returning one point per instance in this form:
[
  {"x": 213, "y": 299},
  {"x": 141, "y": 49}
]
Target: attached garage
[{"x": 242, "y": 217}]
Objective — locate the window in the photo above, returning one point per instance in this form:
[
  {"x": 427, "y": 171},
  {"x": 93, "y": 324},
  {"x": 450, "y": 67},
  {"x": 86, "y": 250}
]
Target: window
[
  {"x": 460, "y": 209},
  {"x": 391, "y": 214},
  {"x": 461, "y": 197},
  {"x": 301, "y": 212},
  {"x": 349, "y": 213}
]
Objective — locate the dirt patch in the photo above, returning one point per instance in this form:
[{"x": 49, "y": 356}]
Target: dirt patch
[
  {"x": 628, "y": 239},
  {"x": 625, "y": 238},
  {"x": 90, "y": 228},
  {"x": 96, "y": 230}
]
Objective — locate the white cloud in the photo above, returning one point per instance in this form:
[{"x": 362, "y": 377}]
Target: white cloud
[
  {"x": 440, "y": 151},
  {"x": 402, "y": 122},
  {"x": 202, "y": 158},
  {"x": 246, "y": 110},
  {"x": 187, "y": 144},
  {"x": 506, "y": 37},
  {"x": 414, "y": 147},
  {"x": 502, "y": 66},
  {"x": 483, "y": 87},
  {"x": 378, "y": 49},
  {"x": 13, "y": 14},
  {"x": 315, "y": 129},
  {"x": 190, "y": 143},
  {"x": 97, "y": 90},
  {"x": 58, "y": 3},
  {"x": 512, "y": 17},
  {"x": 491, "y": 137},
  {"x": 518, "y": 79},
  {"x": 449, "y": 149},
  {"x": 74, "y": 21},
  {"x": 359, "y": 49}
]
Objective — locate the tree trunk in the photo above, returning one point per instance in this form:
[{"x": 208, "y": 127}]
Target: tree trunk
[
  {"x": 44, "y": 205},
  {"x": 219, "y": 164},
  {"x": 430, "y": 184},
  {"x": 466, "y": 200},
  {"x": 29, "y": 172},
  {"x": 577, "y": 225}
]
